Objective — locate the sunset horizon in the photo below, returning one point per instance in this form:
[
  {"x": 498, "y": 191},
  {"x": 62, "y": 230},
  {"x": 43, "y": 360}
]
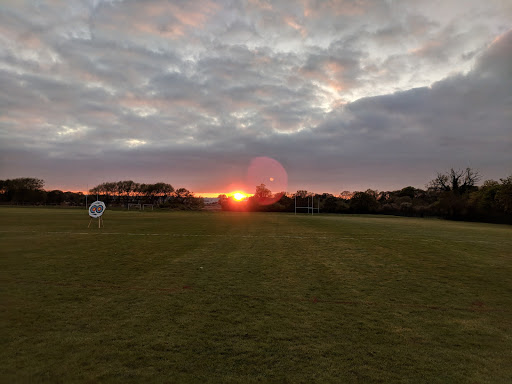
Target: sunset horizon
[{"x": 365, "y": 151}]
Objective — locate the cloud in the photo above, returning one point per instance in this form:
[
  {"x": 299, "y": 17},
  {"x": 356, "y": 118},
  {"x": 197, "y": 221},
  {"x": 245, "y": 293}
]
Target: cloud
[
  {"x": 463, "y": 119},
  {"x": 339, "y": 91}
]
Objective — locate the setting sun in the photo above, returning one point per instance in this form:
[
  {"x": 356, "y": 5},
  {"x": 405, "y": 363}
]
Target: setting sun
[{"x": 239, "y": 196}]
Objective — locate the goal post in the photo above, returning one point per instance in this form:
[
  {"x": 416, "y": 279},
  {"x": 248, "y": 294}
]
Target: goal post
[
  {"x": 133, "y": 205},
  {"x": 311, "y": 208},
  {"x": 147, "y": 205}
]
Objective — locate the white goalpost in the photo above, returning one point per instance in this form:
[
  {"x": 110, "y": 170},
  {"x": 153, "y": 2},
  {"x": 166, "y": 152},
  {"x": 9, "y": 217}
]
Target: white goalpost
[
  {"x": 311, "y": 208},
  {"x": 140, "y": 207}
]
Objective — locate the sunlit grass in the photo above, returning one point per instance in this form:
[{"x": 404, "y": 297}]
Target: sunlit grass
[{"x": 241, "y": 297}]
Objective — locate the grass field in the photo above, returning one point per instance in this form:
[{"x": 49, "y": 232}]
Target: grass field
[{"x": 247, "y": 297}]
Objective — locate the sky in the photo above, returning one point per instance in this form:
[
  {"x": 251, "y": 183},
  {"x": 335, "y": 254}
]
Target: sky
[{"x": 337, "y": 94}]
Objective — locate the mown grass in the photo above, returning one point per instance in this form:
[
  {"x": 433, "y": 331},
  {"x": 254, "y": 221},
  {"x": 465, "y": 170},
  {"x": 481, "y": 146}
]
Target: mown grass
[{"x": 246, "y": 297}]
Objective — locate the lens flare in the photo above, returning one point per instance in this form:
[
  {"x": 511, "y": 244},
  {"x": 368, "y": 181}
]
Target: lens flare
[{"x": 269, "y": 178}]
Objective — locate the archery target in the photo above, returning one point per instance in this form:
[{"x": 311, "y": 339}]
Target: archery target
[{"x": 96, "y": 209}]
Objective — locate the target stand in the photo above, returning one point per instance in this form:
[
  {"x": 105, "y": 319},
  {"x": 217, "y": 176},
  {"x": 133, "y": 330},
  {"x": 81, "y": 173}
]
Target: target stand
[
  {"x": 95, "y": 211},
  {"x": 100, "y": 222}
]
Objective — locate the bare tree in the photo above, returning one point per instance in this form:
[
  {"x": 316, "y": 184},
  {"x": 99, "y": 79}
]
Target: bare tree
[{"x": 457, "y": 181}]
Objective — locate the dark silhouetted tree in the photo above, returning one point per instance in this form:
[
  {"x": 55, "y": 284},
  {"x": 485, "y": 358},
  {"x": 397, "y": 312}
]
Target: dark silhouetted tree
[
  {"x": 23, "y": 189},
  {"x": 504, "y": 195},
  {"x": 458, "y": 182},
  {"x": 262, "y": 192},
  {"x": 364, "y": 202}
]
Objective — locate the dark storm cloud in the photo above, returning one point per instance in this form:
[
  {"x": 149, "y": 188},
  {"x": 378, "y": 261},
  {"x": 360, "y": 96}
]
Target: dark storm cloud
[
  {"x": 188, "y": 92},
  {"x": 463, "y": 120}
]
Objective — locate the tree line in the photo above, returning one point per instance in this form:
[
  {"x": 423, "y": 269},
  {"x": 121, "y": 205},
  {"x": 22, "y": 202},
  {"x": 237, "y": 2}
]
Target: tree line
[
  {"x": 162, "y": 194},
  {"x": 451, "y": 195},
  {"x": 29, "y": 190}
]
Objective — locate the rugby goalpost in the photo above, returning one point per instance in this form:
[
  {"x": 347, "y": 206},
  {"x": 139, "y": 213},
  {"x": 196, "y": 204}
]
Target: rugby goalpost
[
  {"x": 140, "y": 207},
  {"x": 311, "y": 208}
]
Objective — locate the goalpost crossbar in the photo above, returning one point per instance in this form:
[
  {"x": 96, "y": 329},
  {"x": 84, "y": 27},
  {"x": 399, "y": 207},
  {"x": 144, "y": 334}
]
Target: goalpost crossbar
[{"x": 311, "y": 208}]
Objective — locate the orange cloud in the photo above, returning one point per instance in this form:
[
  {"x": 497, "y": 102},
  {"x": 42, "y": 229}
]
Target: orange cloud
[
  {"x": 261, "y": 4},
  {"x": 330, "y": 74},
  {"x": 292, "y": 22},
  {"x": 193, "y": 17},
  {"x": 161, "y": 18},
  {"x": 335, "y": 7},
  {"x": 427, "y": 48}
]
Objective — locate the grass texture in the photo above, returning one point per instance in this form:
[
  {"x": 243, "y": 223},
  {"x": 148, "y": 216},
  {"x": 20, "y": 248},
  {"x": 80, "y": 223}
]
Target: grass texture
[{"x": 178, "y": 297}]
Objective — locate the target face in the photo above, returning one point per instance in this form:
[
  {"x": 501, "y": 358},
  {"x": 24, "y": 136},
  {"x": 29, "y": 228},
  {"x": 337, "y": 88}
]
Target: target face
[{"x": 96, "y": 209}]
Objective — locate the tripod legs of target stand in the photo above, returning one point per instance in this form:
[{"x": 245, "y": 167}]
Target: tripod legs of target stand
[{"x": 100, "y": 222}]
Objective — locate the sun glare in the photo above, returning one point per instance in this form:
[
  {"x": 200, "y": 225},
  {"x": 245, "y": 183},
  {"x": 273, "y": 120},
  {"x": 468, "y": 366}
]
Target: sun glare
[{"x": 239, "y": 196}]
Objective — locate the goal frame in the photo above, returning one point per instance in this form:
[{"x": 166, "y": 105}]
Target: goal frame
[{"x": 311, "y": 208}]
